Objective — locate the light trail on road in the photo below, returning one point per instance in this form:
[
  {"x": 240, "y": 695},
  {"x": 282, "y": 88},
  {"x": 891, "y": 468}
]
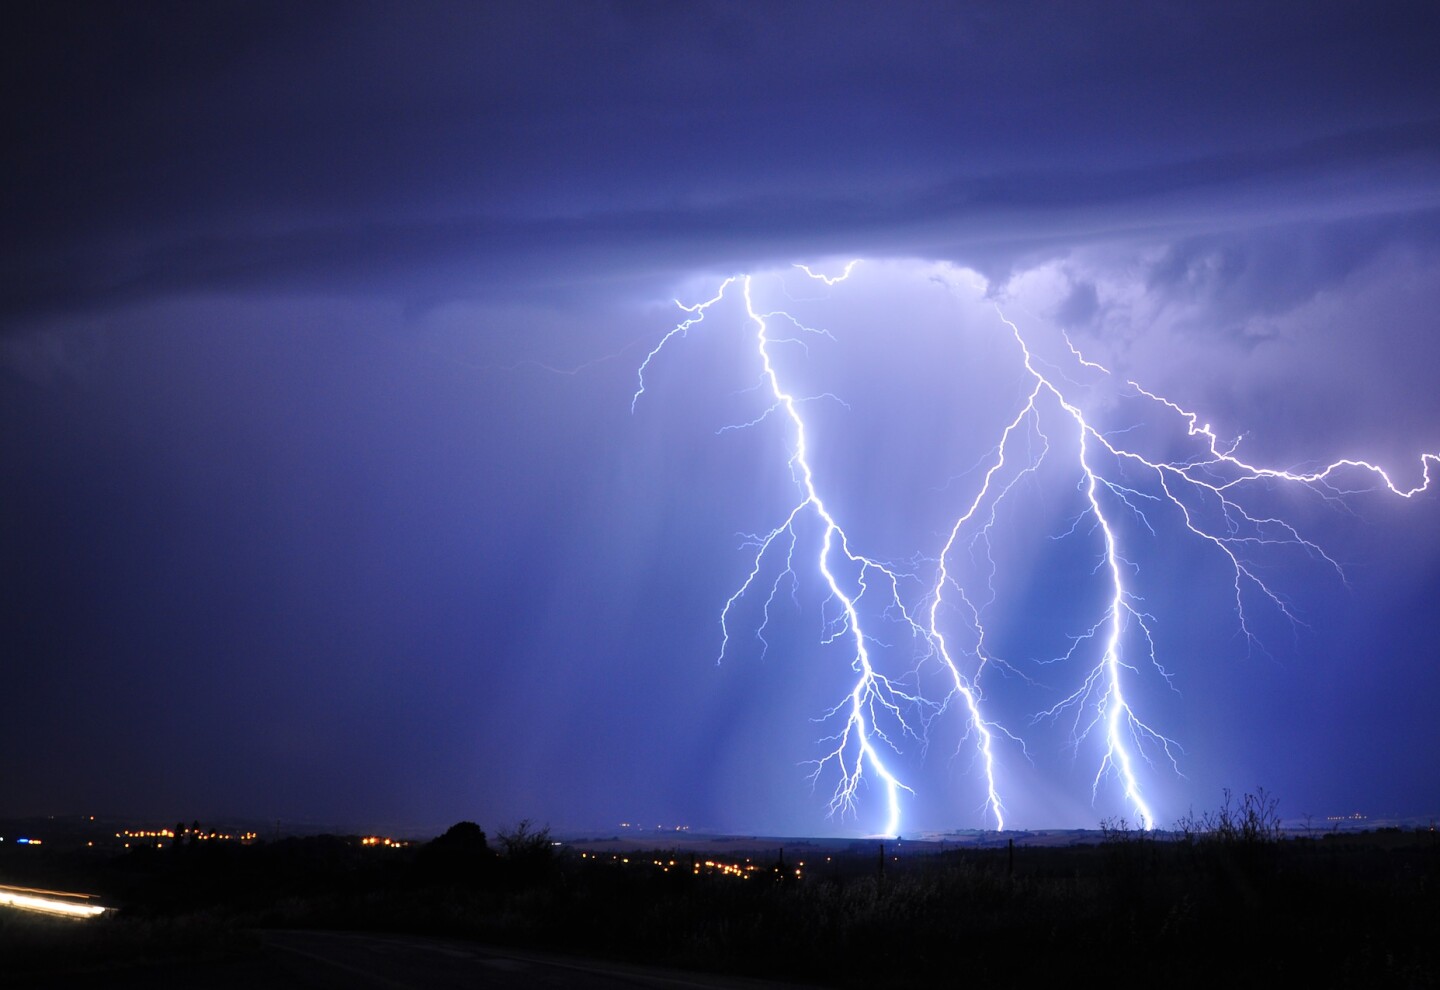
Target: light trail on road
[{"x": 53, "y": 902}]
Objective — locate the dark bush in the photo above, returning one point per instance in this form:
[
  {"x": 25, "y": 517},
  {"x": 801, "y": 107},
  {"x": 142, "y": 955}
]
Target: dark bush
[{"x": 460, "y": 855}]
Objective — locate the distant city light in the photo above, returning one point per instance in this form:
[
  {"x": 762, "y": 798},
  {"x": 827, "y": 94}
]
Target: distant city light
[
  {"x": 697, "y": 867},
  {"x": 383, "y": 841}
]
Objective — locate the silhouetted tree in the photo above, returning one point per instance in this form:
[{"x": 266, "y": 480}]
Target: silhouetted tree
[
  {"x": 463, "y": 835},
  {"x": 461, "y": 854},
  {"x": 529, "y": 851}
]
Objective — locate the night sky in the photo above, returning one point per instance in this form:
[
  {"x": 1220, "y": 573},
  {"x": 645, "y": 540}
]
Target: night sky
[{"x": 323, "y": 498}]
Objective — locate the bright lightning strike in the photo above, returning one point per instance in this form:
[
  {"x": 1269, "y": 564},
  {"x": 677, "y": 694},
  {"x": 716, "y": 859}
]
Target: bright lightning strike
[
  {"x": 943, "y": 600},
  {"x": 858, "y": 743}
]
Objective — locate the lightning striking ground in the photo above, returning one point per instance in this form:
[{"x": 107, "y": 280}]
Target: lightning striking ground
[
  {"x": 857, "y": 743},
  {"x": 1203, "y": 495}
]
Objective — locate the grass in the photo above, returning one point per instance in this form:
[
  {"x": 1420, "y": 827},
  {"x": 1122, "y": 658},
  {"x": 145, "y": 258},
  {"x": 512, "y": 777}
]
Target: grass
[{"x": 1334, "y": 911}]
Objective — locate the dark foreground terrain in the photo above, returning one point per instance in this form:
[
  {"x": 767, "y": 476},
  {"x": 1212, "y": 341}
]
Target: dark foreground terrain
[{"x": 1216, "y": 907}]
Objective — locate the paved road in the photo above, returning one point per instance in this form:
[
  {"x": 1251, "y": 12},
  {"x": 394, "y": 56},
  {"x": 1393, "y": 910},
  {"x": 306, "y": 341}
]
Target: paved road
[
  {"x": 305, "y": 960},
  {"x": 402, "y": 962}
]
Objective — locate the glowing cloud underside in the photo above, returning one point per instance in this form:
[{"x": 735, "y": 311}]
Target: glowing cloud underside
[{"x": 1206, "y": 495}]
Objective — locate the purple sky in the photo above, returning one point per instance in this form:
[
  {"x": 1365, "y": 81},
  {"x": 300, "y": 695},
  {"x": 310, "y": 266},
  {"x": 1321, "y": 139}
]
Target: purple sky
[{"x": 319, "y": 324}]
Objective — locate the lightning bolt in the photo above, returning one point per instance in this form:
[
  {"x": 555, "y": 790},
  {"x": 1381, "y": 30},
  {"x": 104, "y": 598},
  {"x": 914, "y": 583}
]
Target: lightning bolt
[
  {"x": 856, "y": 747},
  {"x": 1205, "y": 493}
]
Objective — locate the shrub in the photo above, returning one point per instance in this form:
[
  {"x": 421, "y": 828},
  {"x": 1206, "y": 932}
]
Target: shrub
[{"x": 1255, "y": 821}]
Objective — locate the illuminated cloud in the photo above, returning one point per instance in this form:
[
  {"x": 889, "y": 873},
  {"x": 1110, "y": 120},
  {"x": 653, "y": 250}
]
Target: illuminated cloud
[{"x": 1054, "y": 474}]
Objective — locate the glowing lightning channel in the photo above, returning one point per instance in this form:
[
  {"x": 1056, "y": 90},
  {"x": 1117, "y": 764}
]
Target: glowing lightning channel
[
  {"x": 873, "y": 696},
  {"x": 1122, "y": 726},
  {"x": 831, "y": 279},
  {"x": 680, "y": 329},
  {"x": 1100, "y": 702},
  {"x": 1204, "y": 493}
]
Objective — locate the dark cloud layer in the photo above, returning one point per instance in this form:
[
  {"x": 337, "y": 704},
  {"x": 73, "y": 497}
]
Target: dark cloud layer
[{"x": 167, "y": 148}]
